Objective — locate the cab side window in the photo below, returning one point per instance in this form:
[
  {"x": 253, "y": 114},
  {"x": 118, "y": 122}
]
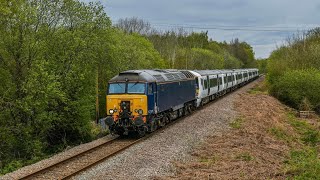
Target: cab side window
[{"x": 150, "y": 88}]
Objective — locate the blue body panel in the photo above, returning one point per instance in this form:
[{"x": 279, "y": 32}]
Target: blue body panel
[
  {"x": 151, "y": 97},
  {"x": 172, "y": 94}
]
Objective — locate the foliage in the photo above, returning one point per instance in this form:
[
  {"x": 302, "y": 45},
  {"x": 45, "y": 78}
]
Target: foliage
[
  {"x": 242, "y": 51},
  {"x": 262, "y": 65},
  {"x": 298, "y": 64},
  {"x": 297, "y": 85},
  {"x": 183, "y": 50}
]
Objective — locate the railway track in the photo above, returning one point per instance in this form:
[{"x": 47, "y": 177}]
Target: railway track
[
  {"x": 80, "y": 162},
  {"x": 73, "y": 165}
]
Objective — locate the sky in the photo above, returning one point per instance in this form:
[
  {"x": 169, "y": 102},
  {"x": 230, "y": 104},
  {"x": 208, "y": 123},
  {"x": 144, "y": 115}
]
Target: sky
[{"x": 264, "y": 24}]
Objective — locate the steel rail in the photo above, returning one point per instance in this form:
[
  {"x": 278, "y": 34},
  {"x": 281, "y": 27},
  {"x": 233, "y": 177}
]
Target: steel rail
[{"x": 39, "y": 171}]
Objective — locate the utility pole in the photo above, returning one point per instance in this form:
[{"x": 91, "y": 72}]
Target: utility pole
[{"x": 97, "y": 96}]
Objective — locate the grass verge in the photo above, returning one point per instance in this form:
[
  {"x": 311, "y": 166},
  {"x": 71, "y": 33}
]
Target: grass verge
[{"x": 303, "y": 162}]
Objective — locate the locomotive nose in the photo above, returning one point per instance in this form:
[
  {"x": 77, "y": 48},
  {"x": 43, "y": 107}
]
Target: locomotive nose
[
  {"x": 129, "y": 103},
  {"x": 125, "y": 105},
  {"x": 125, "y": 109}
]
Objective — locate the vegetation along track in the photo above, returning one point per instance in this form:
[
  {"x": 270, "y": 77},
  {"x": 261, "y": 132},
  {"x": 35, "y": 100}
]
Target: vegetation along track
[{"x": 79, "y": 162}]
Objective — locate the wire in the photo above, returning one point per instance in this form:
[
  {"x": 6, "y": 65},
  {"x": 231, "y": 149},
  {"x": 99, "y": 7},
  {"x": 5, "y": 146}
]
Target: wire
[
  {"x": 225, "y": 28},
  {"x": 237, "y": 27}
]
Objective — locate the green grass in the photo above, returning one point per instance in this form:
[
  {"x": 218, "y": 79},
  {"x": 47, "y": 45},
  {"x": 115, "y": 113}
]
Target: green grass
[
  {"x": 237, "y": 123},
  {"x": 263, "y": 89},
  {"x": 244, "y": 156},
  {"x": 279, "y": 133},
  {"x": 303, "y": 162},
  {"x": 308, "y": 133},
  {"x": 209, "y": 161},
  {"x": 256, "y": 91}
]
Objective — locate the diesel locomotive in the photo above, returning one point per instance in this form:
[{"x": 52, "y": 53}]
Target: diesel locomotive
[{"x": 143, "y": 100}]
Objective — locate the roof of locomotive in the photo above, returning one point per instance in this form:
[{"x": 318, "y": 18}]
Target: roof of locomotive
[{"x": 151, "y": 75}]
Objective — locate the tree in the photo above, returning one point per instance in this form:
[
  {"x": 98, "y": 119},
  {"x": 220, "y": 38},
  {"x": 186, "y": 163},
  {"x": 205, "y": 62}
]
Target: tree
[
  {"x": 47, "y": 54},
  {"x": 134, "y": 25},
  {"x": 243, "y": 52}
]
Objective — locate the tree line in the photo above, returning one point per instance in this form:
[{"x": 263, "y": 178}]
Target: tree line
[
  {"x": 56, "y": 58},
  {"x": 294, "y": 71}
]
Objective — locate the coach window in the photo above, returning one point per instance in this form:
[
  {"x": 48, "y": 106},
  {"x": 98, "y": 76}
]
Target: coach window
[
  {"x": 150, "y": 89},
  {"x": 214, "y": 82},
  {"x": 202, "y": 84},
  {"x": 205, "y": 84},
  {"x": 211, "y": 84}
]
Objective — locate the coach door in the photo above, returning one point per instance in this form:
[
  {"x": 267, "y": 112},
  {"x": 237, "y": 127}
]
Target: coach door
[{"x": 208, "y": 85}]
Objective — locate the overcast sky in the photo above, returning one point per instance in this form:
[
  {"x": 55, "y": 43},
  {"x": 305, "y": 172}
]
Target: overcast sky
[{"x": 226, "y": 19}]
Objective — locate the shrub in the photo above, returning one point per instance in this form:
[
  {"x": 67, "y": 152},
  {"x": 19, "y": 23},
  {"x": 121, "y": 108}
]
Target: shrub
[{"x": 297, "y": 87}]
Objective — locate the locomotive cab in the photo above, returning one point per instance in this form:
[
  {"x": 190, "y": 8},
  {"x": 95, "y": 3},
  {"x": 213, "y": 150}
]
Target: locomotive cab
[{"x": 127, "y": 102}]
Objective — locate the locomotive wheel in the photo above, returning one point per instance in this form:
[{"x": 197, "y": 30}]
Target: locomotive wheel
[
  {"x": 189, "y": 109},
  {"x": 153, "y": 126},
  {"x": 142, "y": 131},
  {"x": 120, "y": 133},
  {"x": 185, "y": 111},
  {"x": 193, "y": 108},
  {"x": 163, "y": 121},
  {"x": 166, "y": 120}
]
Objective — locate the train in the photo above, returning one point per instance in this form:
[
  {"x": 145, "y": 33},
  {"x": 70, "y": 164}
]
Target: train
[{"x": 142, "y": 101}]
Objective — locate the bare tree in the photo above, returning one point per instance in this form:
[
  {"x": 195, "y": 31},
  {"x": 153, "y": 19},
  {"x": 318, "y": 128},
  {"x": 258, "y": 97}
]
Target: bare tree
[{"x": 134, "y": 25}]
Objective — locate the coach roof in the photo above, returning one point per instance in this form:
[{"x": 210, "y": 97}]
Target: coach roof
[{"x": 156, "y": 75}]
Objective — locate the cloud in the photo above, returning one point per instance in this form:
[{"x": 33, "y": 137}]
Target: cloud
[{"x": 250, "y": 14}]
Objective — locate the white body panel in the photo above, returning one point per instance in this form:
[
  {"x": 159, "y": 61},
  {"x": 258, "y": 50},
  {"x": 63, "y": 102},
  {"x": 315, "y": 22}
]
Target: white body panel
[{"x": 211, "y": 83}]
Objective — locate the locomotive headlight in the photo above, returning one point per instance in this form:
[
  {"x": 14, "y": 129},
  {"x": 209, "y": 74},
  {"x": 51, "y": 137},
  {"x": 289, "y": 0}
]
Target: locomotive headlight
[
  {"x": 111, "y": 111},
  {"x": 140, "y": 111}
]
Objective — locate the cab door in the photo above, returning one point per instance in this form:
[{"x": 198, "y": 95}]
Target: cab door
[{"x": 152, "y": 100}]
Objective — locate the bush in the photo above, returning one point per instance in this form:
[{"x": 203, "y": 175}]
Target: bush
[{"x": 296, "y": 87}]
